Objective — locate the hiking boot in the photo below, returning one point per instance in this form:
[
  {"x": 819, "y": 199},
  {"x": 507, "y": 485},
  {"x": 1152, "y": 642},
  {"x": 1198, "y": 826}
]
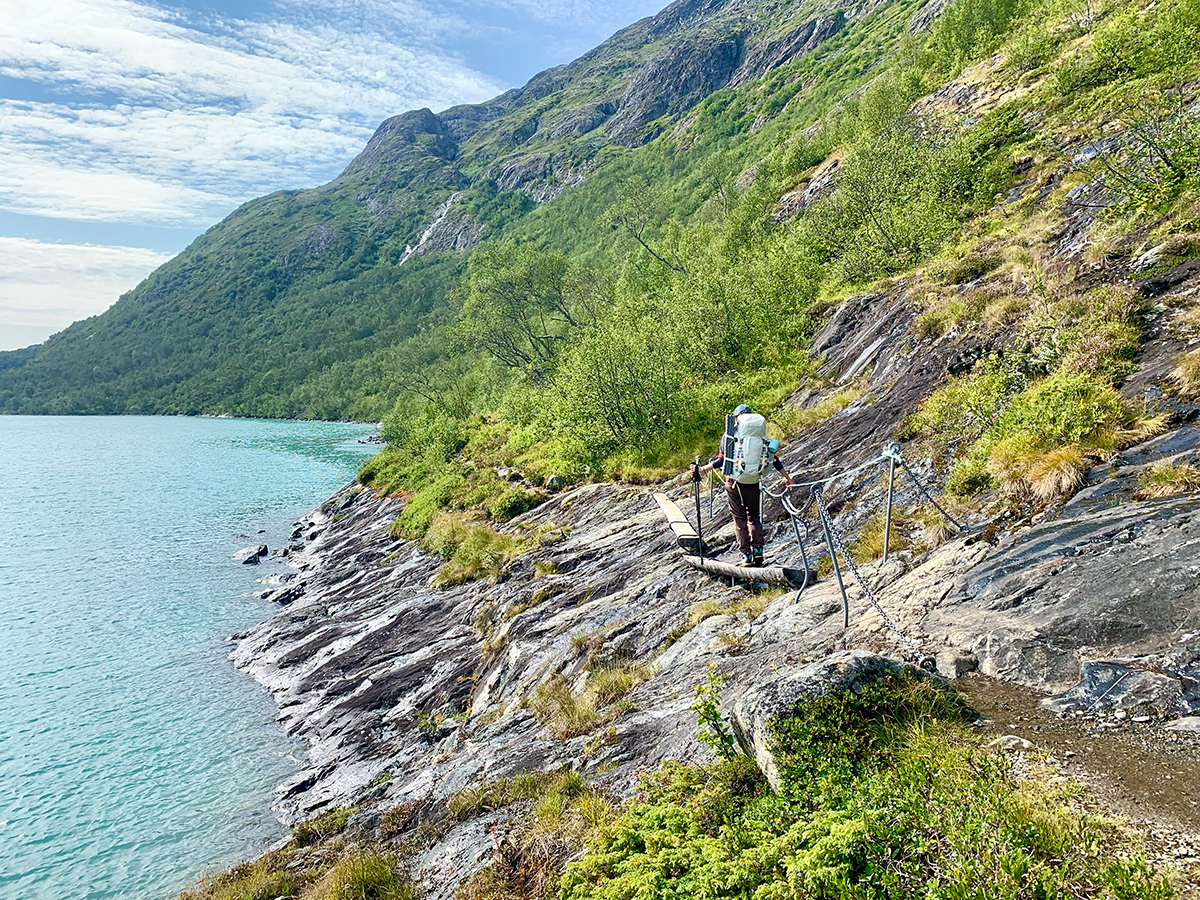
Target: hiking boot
[
  {"x": 758, "y": 557},
  {"x": 747, "y": 560}
]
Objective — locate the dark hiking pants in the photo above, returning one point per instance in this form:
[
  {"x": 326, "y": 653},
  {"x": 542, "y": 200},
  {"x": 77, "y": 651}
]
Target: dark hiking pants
[{"x": 745, "y": 504}]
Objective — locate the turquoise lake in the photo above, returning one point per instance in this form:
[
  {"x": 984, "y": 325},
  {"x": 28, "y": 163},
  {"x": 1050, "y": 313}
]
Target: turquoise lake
[{"x": 133, "y": 757}]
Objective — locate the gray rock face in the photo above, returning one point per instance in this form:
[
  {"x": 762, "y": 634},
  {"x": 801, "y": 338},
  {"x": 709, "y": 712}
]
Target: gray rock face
[
  {"x": 450, "y": 229},
  {"x": 782, "y": 695},
  {"x": 1128, "y": 685},
  {"x": 581, "y": 119},
  {"x": 779, "y": 49},
  {"x": 671, "y": 83},
  {"x": 954, "y": 664},
  {"x": 417, "y": 128},
  {"x": 313, "y": 245},
  {"x": 521, "y": 171},
  {"x": 1123, "y": 577},
  {"x": 822, "y": 184}
]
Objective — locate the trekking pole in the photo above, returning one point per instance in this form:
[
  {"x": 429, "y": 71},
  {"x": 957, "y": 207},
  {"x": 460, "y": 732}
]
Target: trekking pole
[{"x": 699, "y": 522}]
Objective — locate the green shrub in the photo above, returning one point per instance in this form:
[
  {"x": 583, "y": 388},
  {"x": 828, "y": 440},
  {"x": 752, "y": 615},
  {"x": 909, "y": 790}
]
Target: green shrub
[
  {"x": 514, "y": 501},
  {"x": 883, "y": 795},
  {"x": 967, "y": 30},
  {"x": 1045, "y": 435},
  {"x": 430, "y": 498},
  {"x": 369, "y": 469},
  {"x": 962, "y": 409},
  {"x": 900, "y": 195}
]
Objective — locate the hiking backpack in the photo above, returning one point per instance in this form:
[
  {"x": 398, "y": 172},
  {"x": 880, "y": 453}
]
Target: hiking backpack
[{"x": 746, "y": 447}]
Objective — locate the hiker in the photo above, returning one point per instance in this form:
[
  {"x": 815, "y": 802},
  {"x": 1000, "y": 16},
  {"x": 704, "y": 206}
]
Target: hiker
[{"x": 743, "y": 458}]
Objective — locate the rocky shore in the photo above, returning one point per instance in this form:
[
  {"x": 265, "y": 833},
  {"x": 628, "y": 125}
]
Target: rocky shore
[{"x": 409, "y": 693}]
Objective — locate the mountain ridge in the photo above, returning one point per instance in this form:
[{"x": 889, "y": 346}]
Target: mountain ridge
[{"x": 231, "y": 297}]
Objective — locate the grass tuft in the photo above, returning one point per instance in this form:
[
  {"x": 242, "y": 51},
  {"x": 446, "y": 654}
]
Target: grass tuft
[
  {"x": 472, "y": 549},
  {"x": 366, "y": 874},
  {"x": 1057, "y": 473},
  {"x": 327, "y": 871},
  {"x": 321, "y": 827},
  {"x": 1186, "y": 374},
  {"x": 1166, "y": 479},
  {"x": 869, "y": 543},
  {"x": 567, "y": 714},
  {"x": 492, "y": 795}
]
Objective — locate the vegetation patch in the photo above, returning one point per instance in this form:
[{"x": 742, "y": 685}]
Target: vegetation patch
[
  {"x": 567, "y": 713},
  {"x": 527, "y": 862},
  {"x": 796, "y": 419},
  {"x": 513, "y": 502},
  {"x": 1167, "y": 479},
  {"x": 884, "y": 794},
  {"x": 1186, "y": 374},
  {"x": 319, "y": 863},
  {"x": 1034, "y": 417},
  {"x": 491, "y": 795},
  {"x": 321, "y": 827},
  {"x": 472, "y": 549}
]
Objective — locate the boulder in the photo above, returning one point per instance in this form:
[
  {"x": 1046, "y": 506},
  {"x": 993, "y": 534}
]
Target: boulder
[
  {"x": 953, "y": 663},
  {"x": 1011, "y": 743},
  {"x": 783, "y": 695}
]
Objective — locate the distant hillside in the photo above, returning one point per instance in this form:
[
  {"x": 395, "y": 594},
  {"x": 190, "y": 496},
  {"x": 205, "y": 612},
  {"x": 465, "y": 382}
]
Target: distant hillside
[{"x": 295, "y": 304}]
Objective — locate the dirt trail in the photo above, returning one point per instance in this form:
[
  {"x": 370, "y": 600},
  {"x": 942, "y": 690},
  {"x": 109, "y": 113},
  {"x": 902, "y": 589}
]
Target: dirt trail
[{"x": 1137, "y": 771}]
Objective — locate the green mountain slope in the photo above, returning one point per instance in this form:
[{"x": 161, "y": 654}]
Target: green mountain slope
[
  {"x": 291, "y": 305},
  {"x": 579, "y": 278}
]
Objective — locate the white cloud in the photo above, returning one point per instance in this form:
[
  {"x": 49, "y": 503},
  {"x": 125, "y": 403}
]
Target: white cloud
[
  {"x": 44, "y": 287},
  {"x": 185, "y": 119}
]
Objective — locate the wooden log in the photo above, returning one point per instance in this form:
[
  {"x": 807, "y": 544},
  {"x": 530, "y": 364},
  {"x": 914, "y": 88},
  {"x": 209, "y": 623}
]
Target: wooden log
[
  {"x": 783, "y": 575},
  {"x": 685, "y": 534}
]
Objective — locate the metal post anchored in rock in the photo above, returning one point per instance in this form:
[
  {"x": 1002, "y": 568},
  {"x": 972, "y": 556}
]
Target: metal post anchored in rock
[
  {"x": 891, "y": 450},
  {"x": 796, "y": 517},
  {"x": 837, "y": 570}
]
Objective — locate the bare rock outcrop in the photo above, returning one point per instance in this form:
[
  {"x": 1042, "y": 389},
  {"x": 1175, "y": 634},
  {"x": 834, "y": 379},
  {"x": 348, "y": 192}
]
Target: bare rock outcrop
[{"x": 672, "y": 83}]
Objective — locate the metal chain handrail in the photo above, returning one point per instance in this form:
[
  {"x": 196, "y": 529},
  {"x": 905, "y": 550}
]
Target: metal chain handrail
[
  {"x": 892, "y": 451},
  {"x": 840, "y": 546},
  {"x": 796, "y": 485}
]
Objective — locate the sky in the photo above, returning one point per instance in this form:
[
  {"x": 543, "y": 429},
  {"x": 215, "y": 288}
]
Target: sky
[{"x": 128, "y": 127}]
